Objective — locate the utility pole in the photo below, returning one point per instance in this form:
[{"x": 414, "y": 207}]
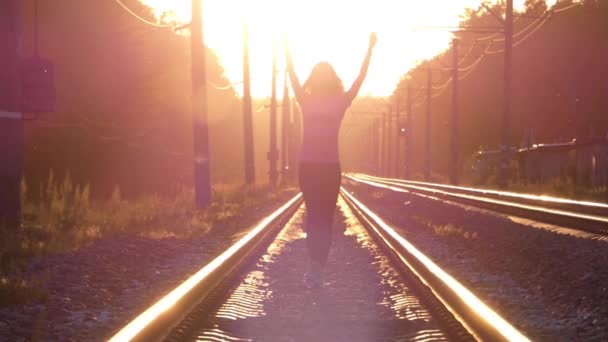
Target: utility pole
[
  {"x": 454, "y": 162},
  {"x": 408, "y": 133},
  {"x": 11, "y": 119},
  {"x": 377, "y": 144},
  {"x": 373, "y": 157},
  {"x": 389, "y": 168},
  {"x": 398, "y": 136},
  {"x": 383, "y": 148},
  {"x": 427, "y": 138},
  {"x": 285, "y": 132},
  {"x": 294, "y": 138},
  {"x": 202, "y": 169},
  {"x": 247, "y": 111},
  {"x": 508, "y": 74},
  {"x": 273, "y": 153}
]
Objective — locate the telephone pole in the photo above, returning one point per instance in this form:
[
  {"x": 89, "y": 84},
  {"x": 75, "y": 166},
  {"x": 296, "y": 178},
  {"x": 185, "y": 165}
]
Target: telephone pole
[
  {"x": 383, "y": 149},
  {"x": 273, "y": 153},
  {"x": 508, "y": 74},
  {"x": 427, "y": 138},
  {"x": 389, "y": 168},
  {"x": 285, "y": 167},
  {"x": 398, "y": 136},
  {"x": 202, "y": 169},
  {"x": 377, "y": 145},
  {"x": 247, "y": 111},
  {"x": 408, "y": 133},
  {"x": 295, "y": 138},
  {"x": 11, "y": 122},
  {"x": 454, "y": 162}
]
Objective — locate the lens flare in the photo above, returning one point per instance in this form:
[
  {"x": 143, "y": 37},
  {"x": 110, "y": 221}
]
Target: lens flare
[{"x": 321, "y": 30}]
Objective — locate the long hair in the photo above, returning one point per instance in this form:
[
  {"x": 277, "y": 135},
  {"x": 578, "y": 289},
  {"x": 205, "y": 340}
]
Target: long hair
[{"x": 323, "y": 81}]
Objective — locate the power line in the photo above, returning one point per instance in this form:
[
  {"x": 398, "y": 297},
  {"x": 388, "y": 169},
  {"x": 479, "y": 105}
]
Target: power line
[
  {"x": 534, "y": 30},
  {"x": 543, "y": 17},
  {"x": 229, "y": 86},
  {"x": 143, "y": 20},
  {"x": 526, "y": 37},
  {"x": 567, "y": 7},
  {"x": 443, "y": 85}
]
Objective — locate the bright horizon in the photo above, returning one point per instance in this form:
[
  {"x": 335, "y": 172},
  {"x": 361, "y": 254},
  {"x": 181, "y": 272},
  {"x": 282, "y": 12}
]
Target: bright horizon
[{"x": 338, "y": 34}]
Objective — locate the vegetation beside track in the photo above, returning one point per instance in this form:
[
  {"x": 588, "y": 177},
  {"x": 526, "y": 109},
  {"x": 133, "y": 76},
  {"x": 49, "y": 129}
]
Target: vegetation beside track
[{"x": 66, "y": 218}]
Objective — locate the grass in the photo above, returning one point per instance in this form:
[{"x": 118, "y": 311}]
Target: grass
[
  {"x": 66, "y": 218},
  {"x": 558, "y": 187},
  {"x": 445, "y": 230},
  {"x": 561, "y": 188}
]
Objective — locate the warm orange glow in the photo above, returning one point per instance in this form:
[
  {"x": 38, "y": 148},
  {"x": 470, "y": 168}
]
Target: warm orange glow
[
  {"x": 148, "y": 317},
  {"x": 380, "y": 182},
  {"x": 483, "y": 311},
  {"x": 335, "y": 31}
]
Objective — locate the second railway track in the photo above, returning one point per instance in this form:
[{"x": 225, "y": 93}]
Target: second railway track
[
  {"x": 585, "y": 216},
  {"x": 378, "y": 287}
]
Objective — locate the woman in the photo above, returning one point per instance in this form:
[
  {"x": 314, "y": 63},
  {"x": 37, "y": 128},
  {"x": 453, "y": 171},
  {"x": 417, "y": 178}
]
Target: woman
[{"x": 323, "y": 102}]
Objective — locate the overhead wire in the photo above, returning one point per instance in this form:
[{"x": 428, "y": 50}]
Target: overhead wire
[
  {"x": 567, "y": 7},
  {"x": 526, "y": 37},
  {"x": 534, "y": 30},
  {"x": 545, "y": 17},
  {"x": 523, "y": 31},
  {"x": 140, "y": 18},
  {"x": 229, "y": 86}
]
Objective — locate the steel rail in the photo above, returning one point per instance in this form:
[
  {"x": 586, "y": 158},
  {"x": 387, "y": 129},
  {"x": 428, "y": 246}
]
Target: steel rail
[
  {"x": 477, "y": 318},
  {"x": 155, "y": 323},
  {"x": 581, "y": 220},
  {"x": 585, "y": 206}
]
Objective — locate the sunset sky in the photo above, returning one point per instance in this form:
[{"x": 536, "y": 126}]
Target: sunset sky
[{"x": 323, "y": 30}]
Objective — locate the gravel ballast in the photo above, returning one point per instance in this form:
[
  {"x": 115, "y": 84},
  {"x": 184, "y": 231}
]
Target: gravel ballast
[
  {"x": 95, "y": 290},
  {"x": 551, "y": 286}
]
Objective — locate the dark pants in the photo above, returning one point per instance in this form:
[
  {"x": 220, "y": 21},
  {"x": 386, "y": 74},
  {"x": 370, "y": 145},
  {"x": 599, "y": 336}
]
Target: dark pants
[{"x": 320, "y": 185}]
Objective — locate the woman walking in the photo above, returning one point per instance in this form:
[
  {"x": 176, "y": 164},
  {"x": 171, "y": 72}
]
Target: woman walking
[{"x": 323, "y": 102}]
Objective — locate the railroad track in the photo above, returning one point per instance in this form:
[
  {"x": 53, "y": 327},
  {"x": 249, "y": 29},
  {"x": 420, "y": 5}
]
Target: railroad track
[
  {"x": 586, "y": 216},
  {"x": 379, "y": 287}
]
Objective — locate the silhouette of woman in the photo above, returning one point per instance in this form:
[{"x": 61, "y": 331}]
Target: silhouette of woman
[{"x": 323, "y": 102}]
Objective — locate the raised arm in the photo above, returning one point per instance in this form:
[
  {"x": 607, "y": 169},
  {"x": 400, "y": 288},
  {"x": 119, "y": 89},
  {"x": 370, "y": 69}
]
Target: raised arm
[
  {"x": 295, "y": 83},
  {"x": 354, "y": 89}
]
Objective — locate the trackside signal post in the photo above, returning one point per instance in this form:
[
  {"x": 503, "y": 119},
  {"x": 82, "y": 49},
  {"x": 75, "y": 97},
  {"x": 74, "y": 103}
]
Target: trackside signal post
[{"x": 11, "y": 123}]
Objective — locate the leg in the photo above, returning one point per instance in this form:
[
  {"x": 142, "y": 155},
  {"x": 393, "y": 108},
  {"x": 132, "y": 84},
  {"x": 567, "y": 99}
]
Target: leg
[
  {"x": 311, "y": 190},
  {"x": 327, "y": 205}
]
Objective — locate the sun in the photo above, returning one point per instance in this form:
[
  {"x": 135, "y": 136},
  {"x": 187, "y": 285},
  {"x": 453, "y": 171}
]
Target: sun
[{"x": 323, "y": 30}]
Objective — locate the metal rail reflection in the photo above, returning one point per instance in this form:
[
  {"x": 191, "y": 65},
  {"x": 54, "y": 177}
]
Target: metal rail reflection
[
  {"x": 515, "y": 195},
  {"x": 160, "y": 317},
  {"x": 483, "y": 322},
  {"x": 393, "y": 185}
]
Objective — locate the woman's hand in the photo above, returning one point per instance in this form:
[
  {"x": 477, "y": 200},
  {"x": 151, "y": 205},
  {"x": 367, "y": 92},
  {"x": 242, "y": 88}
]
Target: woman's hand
[{"x": 373, "y": 39}]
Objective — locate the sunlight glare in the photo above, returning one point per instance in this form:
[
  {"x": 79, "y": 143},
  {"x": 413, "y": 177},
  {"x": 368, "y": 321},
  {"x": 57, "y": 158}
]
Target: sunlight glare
[{"x": 321, "y": 30}]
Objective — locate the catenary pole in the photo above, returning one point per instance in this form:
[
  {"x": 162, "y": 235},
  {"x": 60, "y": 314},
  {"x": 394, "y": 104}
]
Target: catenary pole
[
  {"x": 247, "y": 111},
  {"x": 273, "y": 153},
  {"x": 454, "y": 143},
  {"x": 285, "y": 167},
  {"x": 408, "y": 133},
  {"x": 397, "y": 134},
  {"x": 427, "y": 136},
  {"x": 11, "y": 122},
  {"x": 202, "y": 167},
  {"x": 508, "y": 74}
]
